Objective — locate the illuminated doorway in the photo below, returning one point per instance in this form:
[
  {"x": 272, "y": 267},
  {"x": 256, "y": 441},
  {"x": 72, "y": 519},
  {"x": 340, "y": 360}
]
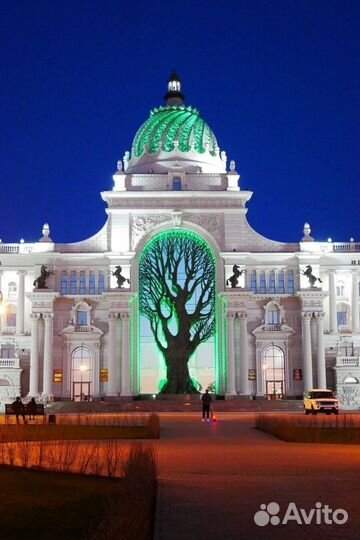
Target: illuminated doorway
[
  {"x": 274, "y": 372},
  {"x": 81, "y": 374}
]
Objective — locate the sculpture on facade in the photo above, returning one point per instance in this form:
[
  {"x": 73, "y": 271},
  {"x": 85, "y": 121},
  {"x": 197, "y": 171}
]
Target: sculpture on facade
[
  {"x": 40, "y": 282},
  {"x": 234, "y": 279},
  {"x": 177, "y": 296},
  {"x": 119, "y": 277},
  {"x": 308, "y": 273}
]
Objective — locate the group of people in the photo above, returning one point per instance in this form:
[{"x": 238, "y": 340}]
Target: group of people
[{"x": 20, "y": 409}]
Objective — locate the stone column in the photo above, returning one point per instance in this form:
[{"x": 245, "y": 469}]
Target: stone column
[
  {"x": 125, "y": 356},
  {"x": 113, "y": 385},
  {"x": 355, "y": 326},
  {"x": 307, "y": 360},
  {"x": 230, "y": 386},
  {"x": 244, "y": 359},
  {"x": 34, "y": 356},
  {"x": 332, "y": 302},
  {"x": 20, "y": 303},
  {"x": 321, "y": 368},
  {"x": 48, "y": 355}
]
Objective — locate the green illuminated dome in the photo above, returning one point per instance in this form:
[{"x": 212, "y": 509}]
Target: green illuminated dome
[
  {"x": 174, "y": 127},
  {"x": 175, "y": 137}
]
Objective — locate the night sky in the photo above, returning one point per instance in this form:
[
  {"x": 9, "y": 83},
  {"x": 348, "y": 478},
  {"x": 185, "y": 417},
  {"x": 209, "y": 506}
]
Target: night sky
[{"x": 278, "y": 82}]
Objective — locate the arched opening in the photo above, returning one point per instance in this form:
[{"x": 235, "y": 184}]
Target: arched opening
[
  {"x": 177, "y": 285},
  {"x": 81, "y": 374},
  {"x": 274, "y": 372}
]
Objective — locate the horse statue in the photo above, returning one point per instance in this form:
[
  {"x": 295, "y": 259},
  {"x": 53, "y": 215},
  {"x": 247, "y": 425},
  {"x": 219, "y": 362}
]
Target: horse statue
[
  {"x": 119, "y": 278},
  {"x": 234, "y": 279},
  {"x": 40, "y": 282},
  {"x": 308, "y": 273}
]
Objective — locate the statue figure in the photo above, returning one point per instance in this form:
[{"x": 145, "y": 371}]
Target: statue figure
[
  {"x": 119, "y": 278},
  {"x": 308, "y": 273},
  {"x": 234, "y": 279},
  {"x": 40, "y": 282}
]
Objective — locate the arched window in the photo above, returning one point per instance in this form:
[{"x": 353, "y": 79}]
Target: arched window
[
  {"x": 340, "y": 288},
  {"x": 81, "y": 373},
  {"x": 12, "y": 289},
  {"x": 274, "y": 371},
  {"x": 81, "y": 314}
]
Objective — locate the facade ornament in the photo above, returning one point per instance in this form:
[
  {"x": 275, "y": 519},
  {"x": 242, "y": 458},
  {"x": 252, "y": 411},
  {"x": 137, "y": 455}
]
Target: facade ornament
[
  {"x": 40, "y": 282},
  {"x": 46, "y": 233},
  {"x": 119, "y": 166},
  {"x": 308, "y": 273},
  {"x": 126, "y": 160},
  {"x": 232, "y": 165},
  {"x": 119, "y": 277},
  {"x": 177, "y": 218},
  {"x": 234, "y": 279}
]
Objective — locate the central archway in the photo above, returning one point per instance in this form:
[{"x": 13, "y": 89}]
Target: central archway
[{"x": 177, "y": 289}]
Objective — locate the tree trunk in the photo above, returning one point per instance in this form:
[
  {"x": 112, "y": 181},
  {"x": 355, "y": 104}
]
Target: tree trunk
[{"x": 177, "y": 373}]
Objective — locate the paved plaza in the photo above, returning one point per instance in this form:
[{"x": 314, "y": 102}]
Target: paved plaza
[{"x": 214, "y": 477}]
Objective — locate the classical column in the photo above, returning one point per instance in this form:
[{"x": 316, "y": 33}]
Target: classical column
[
  {"x": 34, "y": 356},
  {"x": 230, "y": 386},
  {"x": 321, "y": 368},
  {"x": 113, "y": 386},
  {"x": 307, "y": 360},
  {"x": 125, "y": 356},
  {"x": 332, "y": 302},
  {"x": 244, "y": 360},
  {"x": 355, "y": 326},
  {"x": 20, "y": 303},
  {"x": 48, "y": 355}
]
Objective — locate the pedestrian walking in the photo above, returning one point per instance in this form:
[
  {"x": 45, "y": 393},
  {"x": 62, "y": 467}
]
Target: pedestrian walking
[{"x": 206, "y": 404}]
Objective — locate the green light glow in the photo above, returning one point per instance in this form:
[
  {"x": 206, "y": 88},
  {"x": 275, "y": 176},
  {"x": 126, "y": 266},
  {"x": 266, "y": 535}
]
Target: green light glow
[
  {"x": 171, "y": 124},
  {"x": 177, "y": 291}
]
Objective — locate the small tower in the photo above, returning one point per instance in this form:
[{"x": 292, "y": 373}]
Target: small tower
[{"x": 174, "y": 95}]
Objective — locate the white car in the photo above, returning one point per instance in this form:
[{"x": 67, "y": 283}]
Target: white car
[{"x": 319, "y": 400}]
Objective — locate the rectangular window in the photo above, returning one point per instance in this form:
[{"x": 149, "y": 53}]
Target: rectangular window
[
  {"x": 101, "y": 284},
  {"x": 82, "y": 289},
  {"x": 11, "y": 320},
  {"x": 81, "y": 318},
  {"x": 290, "y": 282},
  {"x": 73, "y": 283},
  {"x": 342, "y": 318},
  {"x": 253, "y": 285},
  {"x": 92, "y": 287},
  {"x": 281, "y": 283},
  {"x": 64, "y": 283},
  {"x": 262, "y": 284},
  {"x": 7, "y": 351},
  {"x": 273, "y": 316},
  {"x": 272, "y": 283}
]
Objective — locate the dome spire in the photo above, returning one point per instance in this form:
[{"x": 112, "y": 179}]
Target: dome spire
[{"x": 174, "y": 95}]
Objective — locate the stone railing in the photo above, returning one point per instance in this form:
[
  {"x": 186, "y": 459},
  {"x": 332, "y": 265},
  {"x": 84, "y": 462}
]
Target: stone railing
[
  {"x": 8, "y": 330},
  {"x": 271, "y": 327},
  {"x": 347, "y": 361},
  {"x": 83, "y": 328},
  {"x": 344, "y": 329},
  {"x": 9, "y": 363}
]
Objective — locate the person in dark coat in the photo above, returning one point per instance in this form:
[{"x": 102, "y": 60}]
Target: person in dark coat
[
  {"x": 31, "y": 409},
  {"x": 19, "y": 409},
  {"x": 206, "y": 404}
]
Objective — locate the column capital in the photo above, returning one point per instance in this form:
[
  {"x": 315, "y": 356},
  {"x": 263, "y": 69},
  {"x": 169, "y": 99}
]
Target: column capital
[
  {"x": 47, "y": 317},
  {"x": 319, "y": 316},
  {"x": 125, "y": 316},
  {"x": 21, "y": 272},
  {"x": 331, "y": 271},
  {"x": 231, "y": 315},
  {"x": 113, "y": 316},
  {"x": 34, "y": 316},
  {"x": 242, "y": 315},
  {"x": 306, "y": 316}
]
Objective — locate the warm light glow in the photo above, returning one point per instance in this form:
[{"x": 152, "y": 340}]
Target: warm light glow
[
  {"x": 2, "y": 309},
  {"x": 83, "y": 367}
]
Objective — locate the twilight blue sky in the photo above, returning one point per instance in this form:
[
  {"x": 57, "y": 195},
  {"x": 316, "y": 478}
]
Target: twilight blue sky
[{"x": 278, "y": 81}]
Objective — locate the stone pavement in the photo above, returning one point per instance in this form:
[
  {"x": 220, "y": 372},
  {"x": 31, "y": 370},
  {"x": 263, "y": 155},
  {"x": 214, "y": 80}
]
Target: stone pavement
[{"x": 213, "y": 479}]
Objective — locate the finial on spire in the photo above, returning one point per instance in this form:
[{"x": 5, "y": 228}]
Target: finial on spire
[{"x": 174, "y": 95}]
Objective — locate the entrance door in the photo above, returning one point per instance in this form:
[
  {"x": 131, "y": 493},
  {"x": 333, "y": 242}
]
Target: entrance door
[
  {"x": 275, "y": 389},
  {"x": 81, "y": 391}
]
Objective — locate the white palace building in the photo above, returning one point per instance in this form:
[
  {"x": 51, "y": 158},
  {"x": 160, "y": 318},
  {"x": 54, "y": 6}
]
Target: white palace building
[{"x": 81, "y": 336}]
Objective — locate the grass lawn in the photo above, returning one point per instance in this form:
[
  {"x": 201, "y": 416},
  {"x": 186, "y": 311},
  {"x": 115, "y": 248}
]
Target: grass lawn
[{"x": 40, "y": 505}]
